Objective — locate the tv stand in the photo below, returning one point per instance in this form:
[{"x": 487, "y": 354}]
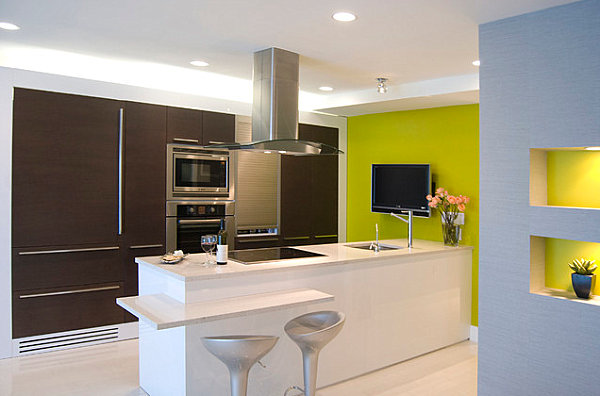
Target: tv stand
[{"x": 410, "y": 225}]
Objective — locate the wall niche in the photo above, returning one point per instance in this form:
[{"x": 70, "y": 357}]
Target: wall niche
[
  {"x": 550, "y": 273},
  {"x": 565, "y": 177}
]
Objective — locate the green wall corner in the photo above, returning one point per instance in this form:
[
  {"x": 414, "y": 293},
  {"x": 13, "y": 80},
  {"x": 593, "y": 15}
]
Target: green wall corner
[{"x": 445, "y": 137}]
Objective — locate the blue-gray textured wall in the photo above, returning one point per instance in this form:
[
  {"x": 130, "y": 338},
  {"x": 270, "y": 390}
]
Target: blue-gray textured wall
[{"x": 539, "y": 88}]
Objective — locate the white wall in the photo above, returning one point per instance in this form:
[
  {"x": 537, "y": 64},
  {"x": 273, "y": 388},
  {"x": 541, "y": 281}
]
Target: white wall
[{"x": 10, "y": 78}]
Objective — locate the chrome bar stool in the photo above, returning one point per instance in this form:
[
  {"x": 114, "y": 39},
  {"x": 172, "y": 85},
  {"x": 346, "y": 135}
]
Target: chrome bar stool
[
  {"x": 239, "y": 353},
  {"x": 311, "y": 332}
]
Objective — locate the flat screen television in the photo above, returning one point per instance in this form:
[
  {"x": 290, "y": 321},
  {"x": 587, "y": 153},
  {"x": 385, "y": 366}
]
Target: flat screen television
[{"x": 399, "y": 188}]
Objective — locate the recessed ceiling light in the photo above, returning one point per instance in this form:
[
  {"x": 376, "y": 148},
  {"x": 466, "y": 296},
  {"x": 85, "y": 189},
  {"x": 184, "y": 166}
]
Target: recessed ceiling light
[
  {"x": 8, "y": 26},
  {"x": 476, "y": 62},
  {"x": 326, "y": 89},
  {"x": 344, "y": 16},
  {"x": 199, "y": 63},
  {"x": 593, "y": 148}
]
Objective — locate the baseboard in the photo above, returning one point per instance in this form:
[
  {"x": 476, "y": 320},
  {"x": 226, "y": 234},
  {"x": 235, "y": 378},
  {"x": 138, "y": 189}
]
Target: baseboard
[{"x": 474, "y": 334}]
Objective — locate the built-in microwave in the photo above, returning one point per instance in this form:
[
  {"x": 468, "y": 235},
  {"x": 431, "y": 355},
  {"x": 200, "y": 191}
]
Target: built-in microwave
[{"x": 196, "y": 173}]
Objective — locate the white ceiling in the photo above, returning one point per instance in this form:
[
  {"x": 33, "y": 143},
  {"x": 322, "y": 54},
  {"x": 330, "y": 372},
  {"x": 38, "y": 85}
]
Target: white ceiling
[{"x": 407, "y": 41}]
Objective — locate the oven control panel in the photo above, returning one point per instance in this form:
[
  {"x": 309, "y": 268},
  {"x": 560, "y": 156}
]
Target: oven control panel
[{"x": 200, "y": 210}]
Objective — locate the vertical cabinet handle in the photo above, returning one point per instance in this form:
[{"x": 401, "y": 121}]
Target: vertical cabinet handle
[{"x": 120, "y": 198}]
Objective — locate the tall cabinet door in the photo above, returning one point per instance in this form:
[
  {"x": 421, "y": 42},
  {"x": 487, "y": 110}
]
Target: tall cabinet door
[
  {"x": 324, "y": 180},
  {"x": 65, "y": 151},
  {"x": 309, "y": 192},
  {"x": 324, "y": 199},
  {"x": 296, "y": 200},
  {"x": 144, "y": 186}
]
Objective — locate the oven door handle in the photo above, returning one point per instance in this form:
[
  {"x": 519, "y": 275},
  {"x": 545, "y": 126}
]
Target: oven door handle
[{"x": 200, "y": 221}]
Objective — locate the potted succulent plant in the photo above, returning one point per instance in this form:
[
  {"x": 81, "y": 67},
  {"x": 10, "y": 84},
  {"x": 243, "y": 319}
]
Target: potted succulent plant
[{"x": 583, "y": 278}]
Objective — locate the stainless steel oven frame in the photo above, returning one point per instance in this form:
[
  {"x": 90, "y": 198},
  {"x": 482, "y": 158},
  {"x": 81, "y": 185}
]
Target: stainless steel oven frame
[
  {"x": 173, "y": 220},
  {"x": 185, "y": 151}
]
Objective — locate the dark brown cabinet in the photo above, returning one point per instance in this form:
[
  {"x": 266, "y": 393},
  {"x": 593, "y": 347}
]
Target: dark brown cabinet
[
  {"x": 144, "y": 173},
  {"x": 144, "y": 187},
  {"x": 184, "y": 125},
  {"x": 48, "y": 267},
  {"x": 62, "y": 309},
  {"x": 218, "y": 128},
  {"x": 309, "y": 192},
  {"x": 296, "y": 200},
  {"x": 66, "y": 211},
  {"x": 189, "y": 126},
  {"x": 88, "y": 196},
  {"x": 324, "y": 199},
  {"x": 65, "y": 169}
]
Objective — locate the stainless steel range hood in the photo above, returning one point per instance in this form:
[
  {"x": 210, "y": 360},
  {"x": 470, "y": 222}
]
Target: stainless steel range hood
[{"x": 275, "y": 107}]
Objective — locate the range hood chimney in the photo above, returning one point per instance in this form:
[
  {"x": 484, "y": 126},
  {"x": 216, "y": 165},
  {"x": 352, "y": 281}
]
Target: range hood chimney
[
  {"x": 275, "y": 107},
  {"x": 275, "y": 88}
]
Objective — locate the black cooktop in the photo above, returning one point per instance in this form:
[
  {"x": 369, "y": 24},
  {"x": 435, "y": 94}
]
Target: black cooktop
[{"x": 257, "y": 256}]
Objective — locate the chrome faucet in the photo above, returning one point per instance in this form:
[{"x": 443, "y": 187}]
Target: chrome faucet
[{"x": 375, "y": 245}]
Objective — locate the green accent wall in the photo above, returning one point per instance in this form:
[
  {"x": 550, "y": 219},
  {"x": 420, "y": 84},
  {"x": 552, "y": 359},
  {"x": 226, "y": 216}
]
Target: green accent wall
[
  {"x": 445, "y": 137},
  {"x": 573, "y": 180}
]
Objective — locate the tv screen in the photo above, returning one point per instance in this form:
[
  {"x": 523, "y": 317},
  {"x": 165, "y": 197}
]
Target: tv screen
[{"x": 399, "y": 188}]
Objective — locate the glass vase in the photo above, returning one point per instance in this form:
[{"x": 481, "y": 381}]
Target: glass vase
[{"x": 451, "y": 234}]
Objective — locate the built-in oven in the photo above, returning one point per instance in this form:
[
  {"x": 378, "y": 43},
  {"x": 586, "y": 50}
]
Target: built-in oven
[
  {"x": 187, "y": 221},
  {"x": 197, "y": 173}
]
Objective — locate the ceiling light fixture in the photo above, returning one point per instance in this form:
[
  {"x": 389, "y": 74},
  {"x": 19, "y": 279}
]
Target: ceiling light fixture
[
  {"x": 326, "y": 89},
  {"x": 476, "y": 62},
  {"x": 199, "y": 63},
  {"x": 344, "y": 16},
  {"x": 593, "y": 148},
  {"x": 381, "y": 87},
  {"x": 8, "y": 26}
]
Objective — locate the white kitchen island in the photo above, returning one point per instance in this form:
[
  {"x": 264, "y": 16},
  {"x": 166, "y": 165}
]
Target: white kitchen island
[{"x": 398, "y": 304}]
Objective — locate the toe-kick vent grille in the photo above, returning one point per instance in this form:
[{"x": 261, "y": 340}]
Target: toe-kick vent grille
[{"x": 72, "y": 339}]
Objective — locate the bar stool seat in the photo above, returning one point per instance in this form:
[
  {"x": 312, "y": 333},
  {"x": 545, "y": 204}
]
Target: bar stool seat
[
  {"x": 239, "y": 353},
  {"x": 311, "y": 332}
]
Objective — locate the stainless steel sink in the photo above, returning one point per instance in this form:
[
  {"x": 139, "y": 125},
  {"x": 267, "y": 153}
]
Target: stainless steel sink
[{"x": 367, "y": 245}]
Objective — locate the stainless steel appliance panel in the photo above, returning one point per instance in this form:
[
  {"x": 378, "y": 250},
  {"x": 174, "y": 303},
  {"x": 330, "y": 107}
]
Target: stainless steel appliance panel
[{"x": 197, "y": 173}]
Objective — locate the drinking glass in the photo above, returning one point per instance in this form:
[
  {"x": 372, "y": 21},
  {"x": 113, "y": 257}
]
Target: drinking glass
[{"x": 208, "y": 243}]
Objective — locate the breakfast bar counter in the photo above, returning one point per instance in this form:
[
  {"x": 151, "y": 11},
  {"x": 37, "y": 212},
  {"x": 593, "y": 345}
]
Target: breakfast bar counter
[{"x": 398, "y": 304}]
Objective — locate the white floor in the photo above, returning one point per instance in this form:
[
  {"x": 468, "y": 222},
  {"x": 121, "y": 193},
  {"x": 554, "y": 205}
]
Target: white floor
[{"x": 112, "y": 369}]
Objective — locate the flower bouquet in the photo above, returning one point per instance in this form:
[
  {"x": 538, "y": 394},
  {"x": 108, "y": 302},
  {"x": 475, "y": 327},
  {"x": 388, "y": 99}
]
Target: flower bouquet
[{"x": 449, "y": 207}]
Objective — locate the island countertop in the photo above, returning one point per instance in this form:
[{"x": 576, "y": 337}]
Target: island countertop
[
  {"x": 398, "y": 303},
  {"x": 191, "y": 268}
]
